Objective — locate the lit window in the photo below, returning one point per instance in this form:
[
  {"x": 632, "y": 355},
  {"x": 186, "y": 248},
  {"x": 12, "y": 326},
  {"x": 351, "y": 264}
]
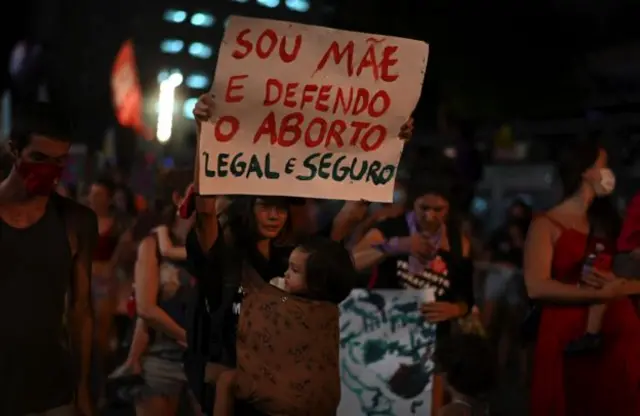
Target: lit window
[
  {"x": 188, "y": 107},
  {"x": 203, "y": 20},
  {"x": 200, "y": 50},
  {"x": 175, "y": 16},
  {"x": 269, "y": 3},
  {"x": 197, "y": 81},
  {"x": 166, "y": 73},
  {"x": 172, "y": 45},
  {"x": 300, "y": 6}
]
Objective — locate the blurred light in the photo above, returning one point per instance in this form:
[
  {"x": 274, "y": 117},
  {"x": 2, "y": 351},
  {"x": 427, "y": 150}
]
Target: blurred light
[
  {"x": 203, "y": 20},
  {"x": 175, "y": 16},
  {"x": 240, "y": 1},
  {"x": 171, "y": 45},
  {"x": 479, "y": 206},
  {"x": 188, "y": 107},
  {"x": 175, "y": 79},
  {"x": 166, "y": 73},
  {"x": 300, "y": 6},
  {"x": 197, "y": 81},
  {"x": 269, "y": 3},
  {"x": 450, "y": 152},
  {"x": 168, "y": 163},
  {"x": 165, "y": 106},
  {"x": 200, "y": 50}
]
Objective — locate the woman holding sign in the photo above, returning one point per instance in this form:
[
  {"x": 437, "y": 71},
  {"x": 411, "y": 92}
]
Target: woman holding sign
[
  {"x": 423, "y": 249},
  {"x": 252, "y": 249},
  {"x": 253, "y": 245}
]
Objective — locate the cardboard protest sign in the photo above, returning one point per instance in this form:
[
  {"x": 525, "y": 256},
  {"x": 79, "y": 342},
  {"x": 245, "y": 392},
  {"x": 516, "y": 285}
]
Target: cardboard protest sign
[
  {"x": 308, "y": 111},
  {"x": 386, "y": 350}
]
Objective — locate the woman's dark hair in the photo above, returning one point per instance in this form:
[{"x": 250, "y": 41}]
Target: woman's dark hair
[
  {"x": 42, "y": 119},
  {"x": 330, "y": 272},
  {"x": 106, "y": 183},
  {"x": 469, "y": 364},
  {"x": 241, "y": 221},
  {"x": 574, "y": 161},
  {"x": 429, "y": 184},
  {"x": 171, "y": 182}
]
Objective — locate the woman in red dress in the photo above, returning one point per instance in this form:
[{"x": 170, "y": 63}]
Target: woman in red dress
[{"x": 605, "y": 381}]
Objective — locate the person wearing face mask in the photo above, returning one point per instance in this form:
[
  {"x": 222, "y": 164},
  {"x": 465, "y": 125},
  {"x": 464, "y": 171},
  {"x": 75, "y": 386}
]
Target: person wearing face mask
[
  {"x": 566, "y": 269},
  {"x": 46, "y": 243}
]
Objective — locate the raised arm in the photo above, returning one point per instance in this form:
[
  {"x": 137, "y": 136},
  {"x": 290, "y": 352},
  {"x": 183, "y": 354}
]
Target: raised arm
[
  {"x": 351, "y": 215},
  {"x": 206, "y": 225},
  {"x": 147, "y": 287}
]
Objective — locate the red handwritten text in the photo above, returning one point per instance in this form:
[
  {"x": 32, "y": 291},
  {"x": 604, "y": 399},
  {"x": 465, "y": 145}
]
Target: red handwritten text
[
  {"x": 380, "y": 66},
  {"x": 265, "y": 44},
  {"x": 327, "y": 98},
  {"x": 226, "y": 128},
  {"x": 233, "y": 86},
  {"x": 318, "y": 131}
]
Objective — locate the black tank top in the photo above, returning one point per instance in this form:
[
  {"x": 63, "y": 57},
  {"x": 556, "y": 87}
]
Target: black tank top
[{"x": 35, "y": 274}]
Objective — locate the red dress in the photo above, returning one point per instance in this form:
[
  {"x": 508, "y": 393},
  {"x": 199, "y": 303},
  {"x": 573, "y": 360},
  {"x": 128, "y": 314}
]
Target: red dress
[{"x": 606, "y": 383}]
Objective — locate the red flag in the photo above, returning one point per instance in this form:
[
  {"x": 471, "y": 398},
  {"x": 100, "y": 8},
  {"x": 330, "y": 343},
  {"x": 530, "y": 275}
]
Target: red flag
[{"x": 126, "y": 90}]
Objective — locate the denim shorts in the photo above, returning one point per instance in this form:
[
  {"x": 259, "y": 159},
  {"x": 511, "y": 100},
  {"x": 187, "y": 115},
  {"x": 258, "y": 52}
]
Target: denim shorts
[{"x": 162, "y": 377}]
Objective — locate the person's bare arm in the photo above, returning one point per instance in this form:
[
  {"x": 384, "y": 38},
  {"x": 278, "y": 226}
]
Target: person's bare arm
[
  {"x": 538, "y": 255},
  {"x": 147, "y": 284},
  {"x": 365, "y": 254},
  {"x": 80, "y": 309},
  {"x": 139, "y": 341},
  {"x": 631, "y": 287},
  {"x": 206, "y": 214},
  {"x": 167, "y": 248},
  {"x": 352, "y": 214}
]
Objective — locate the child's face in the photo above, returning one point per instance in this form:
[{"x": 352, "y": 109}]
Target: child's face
[{"x": 295, "y": 279}]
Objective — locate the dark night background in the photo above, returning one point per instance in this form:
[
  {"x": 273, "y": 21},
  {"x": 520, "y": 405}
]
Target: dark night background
[{"x": 489, "y": 60}]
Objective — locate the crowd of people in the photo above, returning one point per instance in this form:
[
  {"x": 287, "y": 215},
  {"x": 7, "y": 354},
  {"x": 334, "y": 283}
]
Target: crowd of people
[{"x": 231, "y": 303}]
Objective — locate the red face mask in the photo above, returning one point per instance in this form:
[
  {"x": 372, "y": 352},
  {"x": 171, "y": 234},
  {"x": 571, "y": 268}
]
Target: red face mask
[{"x": 39, "y": 178}]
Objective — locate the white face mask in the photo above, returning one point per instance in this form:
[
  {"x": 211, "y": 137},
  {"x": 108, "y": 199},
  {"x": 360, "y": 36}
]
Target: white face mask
[{"x": 607, "y": 182}]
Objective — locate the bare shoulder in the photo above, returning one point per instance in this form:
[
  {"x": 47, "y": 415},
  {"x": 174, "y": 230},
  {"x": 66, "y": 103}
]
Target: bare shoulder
[{"x": 543, "y": 227}]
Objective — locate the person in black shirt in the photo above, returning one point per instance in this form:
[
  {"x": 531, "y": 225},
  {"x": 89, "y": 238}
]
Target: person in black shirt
[
  {"x": 250, "y": 238},
  {"x": 424, "y": 249},
  {"x": 46, "y": 243}
]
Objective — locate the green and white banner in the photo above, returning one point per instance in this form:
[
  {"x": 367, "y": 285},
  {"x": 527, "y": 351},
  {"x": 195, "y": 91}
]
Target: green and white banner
[{"x": 386, "y": 354}]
